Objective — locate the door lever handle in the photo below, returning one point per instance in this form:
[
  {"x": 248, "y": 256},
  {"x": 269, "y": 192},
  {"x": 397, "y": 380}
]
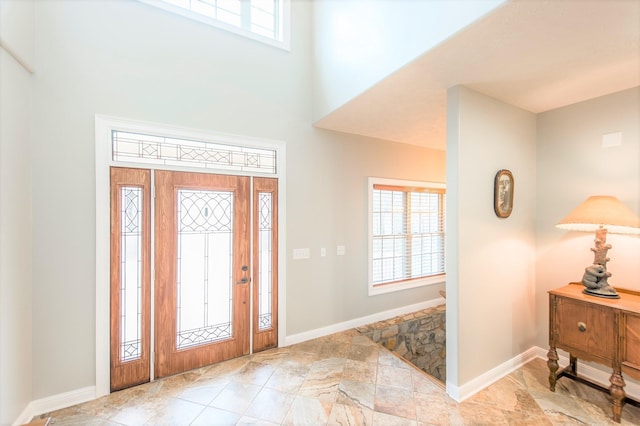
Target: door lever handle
[{"x": 243, "y": 281}]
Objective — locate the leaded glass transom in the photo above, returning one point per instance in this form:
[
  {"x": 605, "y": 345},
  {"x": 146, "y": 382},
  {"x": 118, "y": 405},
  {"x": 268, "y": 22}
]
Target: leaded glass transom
[
  {"x": 204, "y": 267},
  {"x": 160, "y": 150},
  {"x": 130, "y": 273},
  {"x": 265, "y": 252}
]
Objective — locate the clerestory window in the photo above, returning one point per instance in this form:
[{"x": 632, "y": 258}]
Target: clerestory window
[
  {"x": 406, "y": 234},
  {"x": 263, "y": 20}
]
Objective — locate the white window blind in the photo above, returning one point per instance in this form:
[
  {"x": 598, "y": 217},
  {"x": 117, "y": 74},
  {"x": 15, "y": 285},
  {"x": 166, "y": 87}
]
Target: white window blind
[{"x": 407, "y": 234}]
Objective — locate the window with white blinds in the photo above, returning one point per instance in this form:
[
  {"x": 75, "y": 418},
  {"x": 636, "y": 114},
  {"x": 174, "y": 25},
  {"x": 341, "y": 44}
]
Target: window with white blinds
[
  {"x": 406, "y": 234},
  {"x": 262, "y": 20}
]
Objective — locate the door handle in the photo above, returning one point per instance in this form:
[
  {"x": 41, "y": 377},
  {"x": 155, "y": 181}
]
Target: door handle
[{"x": 243, "y": 281}]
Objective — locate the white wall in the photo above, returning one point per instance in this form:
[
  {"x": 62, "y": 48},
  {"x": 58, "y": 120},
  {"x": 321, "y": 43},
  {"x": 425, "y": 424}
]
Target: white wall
[
  {"x": 16, "y": 34},
  {"x": 16, "y": 28},
  {"x": 572, "y": 165},
  {"x": 490, "y": 285},
  {"x": 118, "y": 58},
  {"x": 360, "y": 42}
]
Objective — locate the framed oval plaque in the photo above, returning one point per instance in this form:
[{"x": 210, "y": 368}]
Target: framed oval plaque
[{"x": 503, "y": 193}]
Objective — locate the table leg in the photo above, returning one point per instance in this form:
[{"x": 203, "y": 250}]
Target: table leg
[
  {"x": 617, "y": 393},
  {"x": 573, "y": 362},
  {"x": 552, "y": 363}
]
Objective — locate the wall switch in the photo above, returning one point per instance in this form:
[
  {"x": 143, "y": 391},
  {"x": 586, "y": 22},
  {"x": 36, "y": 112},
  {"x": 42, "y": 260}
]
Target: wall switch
[
  {"x": 612, "y": 139},
  {"x": 323, "y": 252},
  {"x": 301, "y": 253},
  {"x": 341, "y": 250}
]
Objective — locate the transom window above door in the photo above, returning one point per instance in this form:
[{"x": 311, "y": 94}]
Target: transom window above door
[{"x": 175, "y": 151}]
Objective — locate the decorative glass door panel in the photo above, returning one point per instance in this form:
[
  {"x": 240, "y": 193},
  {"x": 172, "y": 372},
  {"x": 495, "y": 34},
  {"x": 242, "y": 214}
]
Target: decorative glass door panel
[
  {"x": 205, "y": 272},
  {"x": 130, "y": 277},
  {"x": 265, "y": 252},
  {"x": 131, "y": 201},
  {"x": 201, "y": 255},
  {"x": 265, "y": 262}
]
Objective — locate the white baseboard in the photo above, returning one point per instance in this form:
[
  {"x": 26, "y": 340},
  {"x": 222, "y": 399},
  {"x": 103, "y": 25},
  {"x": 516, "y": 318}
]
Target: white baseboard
[
  {"x": 55, "y": 402},
  {"x": 357, "y": 322},
  {"x": 467, "y": 390}
]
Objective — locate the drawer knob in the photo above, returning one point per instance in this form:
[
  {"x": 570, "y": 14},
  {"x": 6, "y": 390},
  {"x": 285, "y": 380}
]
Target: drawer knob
[{"x": 582, "y": 326}]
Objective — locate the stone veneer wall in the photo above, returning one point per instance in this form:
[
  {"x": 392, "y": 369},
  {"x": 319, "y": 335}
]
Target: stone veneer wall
[{"x": 418, "y": 337}]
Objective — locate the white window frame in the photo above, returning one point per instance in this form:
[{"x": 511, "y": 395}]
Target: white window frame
[
  {"x": 284, "y": 23},
  {"x": 378, "y": 289}
]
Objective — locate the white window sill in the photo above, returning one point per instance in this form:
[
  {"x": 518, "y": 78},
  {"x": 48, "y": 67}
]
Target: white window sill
[{"x": 405, "y": 285}]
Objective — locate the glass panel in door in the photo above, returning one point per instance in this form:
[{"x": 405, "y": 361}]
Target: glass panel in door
[{"x": 204, "y": 268}]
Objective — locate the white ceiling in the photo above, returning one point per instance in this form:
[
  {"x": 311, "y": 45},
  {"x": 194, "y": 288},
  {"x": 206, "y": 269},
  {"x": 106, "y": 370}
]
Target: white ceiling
[{"x": 535, "y": 54}]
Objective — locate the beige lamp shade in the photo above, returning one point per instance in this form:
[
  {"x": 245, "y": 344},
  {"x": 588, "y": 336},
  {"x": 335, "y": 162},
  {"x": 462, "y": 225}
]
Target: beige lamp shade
[{"x": 602, "y": 211}]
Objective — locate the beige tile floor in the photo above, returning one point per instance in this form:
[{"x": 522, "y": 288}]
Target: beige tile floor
[{"x": 342, "y": 379}]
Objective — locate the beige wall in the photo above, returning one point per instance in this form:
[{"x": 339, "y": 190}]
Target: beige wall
[
  {"x": 16, "y": 34},
  {"x": 327, "y": 206},
  {"x": 490, "y": 286},
  {"x": 572, "y": 165}
]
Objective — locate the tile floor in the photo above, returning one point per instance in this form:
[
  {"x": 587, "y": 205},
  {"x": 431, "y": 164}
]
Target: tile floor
[{"x": 342, "y": 379}]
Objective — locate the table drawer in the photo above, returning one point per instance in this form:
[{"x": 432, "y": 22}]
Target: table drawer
[{"x": 586, "y": 327}]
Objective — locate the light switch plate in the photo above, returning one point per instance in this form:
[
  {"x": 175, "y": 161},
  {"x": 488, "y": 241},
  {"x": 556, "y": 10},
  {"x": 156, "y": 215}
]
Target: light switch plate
[
  {"x": 301, "y": 253},
  {"x": 612, "y": 139}
]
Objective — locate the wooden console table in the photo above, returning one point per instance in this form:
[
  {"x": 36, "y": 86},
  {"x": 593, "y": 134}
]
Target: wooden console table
[{"x": 606, "y": 331}]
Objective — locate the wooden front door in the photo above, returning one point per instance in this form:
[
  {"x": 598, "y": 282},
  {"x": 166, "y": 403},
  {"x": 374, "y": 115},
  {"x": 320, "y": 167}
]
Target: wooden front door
[
  {"x": 202, "y": 254},
  {"x": 206, "y": 305}
]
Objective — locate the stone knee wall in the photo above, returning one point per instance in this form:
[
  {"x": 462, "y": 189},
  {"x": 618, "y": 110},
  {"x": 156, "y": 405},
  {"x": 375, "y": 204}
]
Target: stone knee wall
[{"x": 418, "y": 337}]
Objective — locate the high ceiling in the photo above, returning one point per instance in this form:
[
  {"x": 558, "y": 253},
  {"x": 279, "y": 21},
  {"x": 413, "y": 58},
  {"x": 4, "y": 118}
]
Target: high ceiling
[{"x": 534, "y": 54}]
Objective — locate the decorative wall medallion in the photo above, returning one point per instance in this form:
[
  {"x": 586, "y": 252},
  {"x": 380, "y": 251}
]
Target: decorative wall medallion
[{"x": 503, "y": 193}]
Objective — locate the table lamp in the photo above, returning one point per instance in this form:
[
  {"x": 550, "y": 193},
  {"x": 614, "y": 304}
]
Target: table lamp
[{"x": 601, "y": 213}]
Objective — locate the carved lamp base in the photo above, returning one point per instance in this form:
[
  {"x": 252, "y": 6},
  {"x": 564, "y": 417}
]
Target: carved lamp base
[
  {"x": 595, "y": 276},
  {"x": 608, "y": 292}
]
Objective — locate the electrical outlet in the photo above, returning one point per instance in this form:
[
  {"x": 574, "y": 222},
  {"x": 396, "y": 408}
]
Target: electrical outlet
[{"x": 341, "y": 250}]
